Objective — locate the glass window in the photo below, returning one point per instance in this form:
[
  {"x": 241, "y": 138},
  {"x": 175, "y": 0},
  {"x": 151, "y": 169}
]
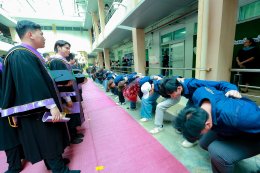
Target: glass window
[
  {"x": 166, "y": 38},
  {"x": 179, "y": 34},
  {"x": 249, "y": 11}
]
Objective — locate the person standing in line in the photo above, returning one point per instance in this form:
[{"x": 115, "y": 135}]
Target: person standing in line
[
  {"x": 150, "y": 93},
  {"x": 28, "y": 92},
  {"x": 59, "y": 62},
  {"x": 9, "y": 140},
  {"x": 46, "y": 56}
]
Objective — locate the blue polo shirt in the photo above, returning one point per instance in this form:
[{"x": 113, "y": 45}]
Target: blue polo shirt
[
  {"x": 144, "y": 79},
  {"x": 130, "y": 78},
  {"x": 190, "y": 85},
  {"x": 230, "y": 116}
]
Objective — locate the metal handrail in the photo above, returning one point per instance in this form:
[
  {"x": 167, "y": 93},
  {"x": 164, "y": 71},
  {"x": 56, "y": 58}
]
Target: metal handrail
[
  {"x": 122, "y": 67},
  {"x": 111, "y": 11},
  {"x": 170, "y": 68},
  {"x": 237, "y": 80},
  {"x": 245, "y": 70}
]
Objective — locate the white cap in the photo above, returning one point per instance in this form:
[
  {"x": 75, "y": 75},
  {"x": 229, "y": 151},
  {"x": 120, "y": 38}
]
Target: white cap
[{"x": 146, "y": 88}]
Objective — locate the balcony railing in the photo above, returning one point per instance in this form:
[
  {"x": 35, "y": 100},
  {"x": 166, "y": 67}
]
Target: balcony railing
[{"x": 6, "y": 39}]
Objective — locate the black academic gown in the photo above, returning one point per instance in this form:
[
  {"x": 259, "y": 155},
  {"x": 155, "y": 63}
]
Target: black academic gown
[
  {"x": 77, "y": 118},
  {"x": 26, "y": 81},
  {"x": 8, "y": 135}
]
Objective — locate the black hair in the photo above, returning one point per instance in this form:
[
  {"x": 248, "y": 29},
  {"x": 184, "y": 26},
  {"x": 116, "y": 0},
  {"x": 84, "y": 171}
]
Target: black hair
[
  {"x": 121, "y": 85},
  {"x": 162, "y": 90},
  {"x": 170, "y": 84},
  {"x": 110, "y": 83},
  {"x": 60, "y": 43},
  {"x": 71, "y": 56},
  {"x": 24, "y": 26},
  {"x": 252, "y": 41},
  {"x": 191, "y": 121},
  {"x": 45, "y": 54}
]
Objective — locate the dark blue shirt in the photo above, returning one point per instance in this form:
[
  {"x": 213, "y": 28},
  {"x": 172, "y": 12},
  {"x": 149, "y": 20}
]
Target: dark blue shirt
[
  {"x": 190, "y": 85},
  {"x": 110, "y": 75},
  {"x": 130, "y": 78},
  {"x": 229, "y": 115},
  {"x": 144, "y": 79},
  {"x": 156, "y": 85}
]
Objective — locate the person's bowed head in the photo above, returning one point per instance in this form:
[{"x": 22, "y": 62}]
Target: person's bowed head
[
  {"x": 110, "y": 85},
  {"x": 192, "y": 122}
]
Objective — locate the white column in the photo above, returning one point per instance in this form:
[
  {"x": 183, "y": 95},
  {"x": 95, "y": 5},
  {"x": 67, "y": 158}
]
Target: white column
[
  {"x": 139, "y": 50},
  {"x": 107, "y": 59},
  {"x": 101, "y": 14},
  {"x": 100, "y": 60},
  {"x": 95, "y": 25},
  {"x": 215, "y": 39}
]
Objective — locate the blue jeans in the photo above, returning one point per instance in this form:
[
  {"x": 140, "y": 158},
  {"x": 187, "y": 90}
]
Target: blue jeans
[
  {"x": 105, "y": 85},
  {"x": 132, "y": 105},
  {"x": 148, "y": 105}
]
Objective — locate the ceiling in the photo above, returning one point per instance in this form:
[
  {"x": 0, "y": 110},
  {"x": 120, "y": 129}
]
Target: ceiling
[
  {"x": 73, "y": 13},
  {"x": 77, "y": 13},
  {"x": 145, "y": 14},
  {"x": 47, "y": 12}
]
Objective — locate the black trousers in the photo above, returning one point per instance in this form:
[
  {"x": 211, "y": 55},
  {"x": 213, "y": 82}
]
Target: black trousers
[
  {"x": 14, "y": 156},
  {"x": 121, "y": 97},
  {"x": 225, "y": 152}
]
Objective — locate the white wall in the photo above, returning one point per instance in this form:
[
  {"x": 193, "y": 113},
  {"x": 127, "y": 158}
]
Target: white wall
[{"x": 79, "y": 40}]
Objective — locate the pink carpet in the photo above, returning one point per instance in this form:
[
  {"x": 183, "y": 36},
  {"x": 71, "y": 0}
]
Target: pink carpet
[{"x": 113, "y": 142}]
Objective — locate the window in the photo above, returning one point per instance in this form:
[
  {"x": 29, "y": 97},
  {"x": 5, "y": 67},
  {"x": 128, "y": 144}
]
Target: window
[
  {"x": 249, "y": 11},
  {"x": 166, "y": 38},
  {"x": 179, "y": 34}
]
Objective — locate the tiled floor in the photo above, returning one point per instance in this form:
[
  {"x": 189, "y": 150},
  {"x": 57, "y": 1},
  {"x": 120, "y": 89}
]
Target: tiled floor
[{"x": 195, "y": 159}]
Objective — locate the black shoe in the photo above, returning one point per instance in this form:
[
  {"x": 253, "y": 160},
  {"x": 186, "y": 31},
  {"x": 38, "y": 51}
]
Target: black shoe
[
  {"x": 76, "y": 141},
  {"x": 13, "y": 171},
  {"x": 66, "y": 161},
  {"x": 79, "y": 135},
  {"x": 74, "y": 171}
]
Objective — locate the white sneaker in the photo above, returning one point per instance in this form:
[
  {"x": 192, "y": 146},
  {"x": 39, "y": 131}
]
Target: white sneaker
[
  {"x": 123, "y": 103},
  {"x": 144, "y": 119},
  {"x": 187, "y": 144},
  {"x": 156, "y": 130}
]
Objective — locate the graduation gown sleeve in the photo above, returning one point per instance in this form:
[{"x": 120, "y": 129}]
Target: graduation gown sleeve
[{"x": 27, "y": 85}]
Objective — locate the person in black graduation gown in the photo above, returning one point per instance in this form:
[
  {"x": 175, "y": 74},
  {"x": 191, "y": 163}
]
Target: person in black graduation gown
[
  {"x": 28, "y": 91},
  {"x": 9, "y": 141},
  {"x": 59, "y": 62}
]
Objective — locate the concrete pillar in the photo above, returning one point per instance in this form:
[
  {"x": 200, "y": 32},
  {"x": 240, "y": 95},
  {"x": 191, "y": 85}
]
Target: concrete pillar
[
  {"x": 95, "y": 25},
  {"x": 139, "y": 50},
  {"x": 107, "y": 59},
  {"x": 90, "y": 39},
  {"x": 100, "y": 60},
  {"x": 215, "y": 39},
  {"x": 54, "y": 31},
  {"x": 14, "y": 35},
  {"x": 101, "y": 8}
]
